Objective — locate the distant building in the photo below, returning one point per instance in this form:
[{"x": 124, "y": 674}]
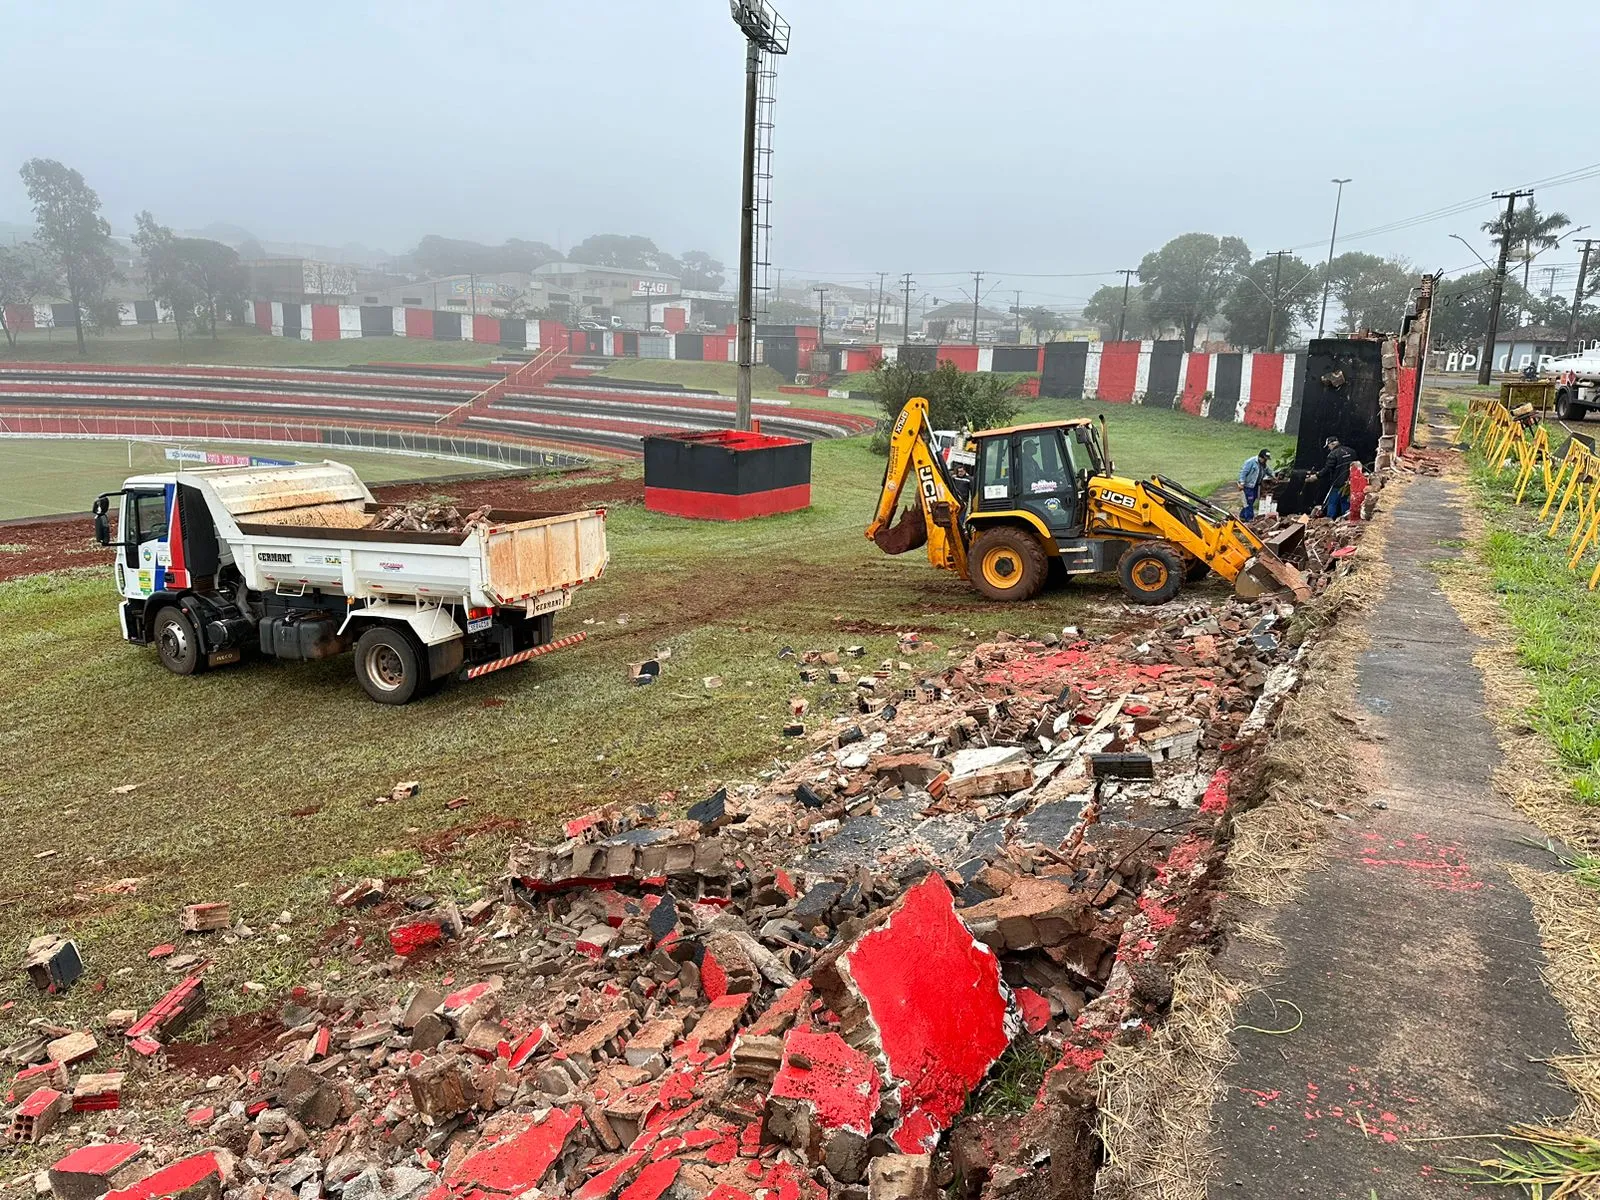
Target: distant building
[
  {"x": 299, "y": 280},
  {"x": 481, "y": 294},
  {"x": 955, "y": 321},
  {"x": 1514, "y": 349},
  {"x": 583, "y": 291}
]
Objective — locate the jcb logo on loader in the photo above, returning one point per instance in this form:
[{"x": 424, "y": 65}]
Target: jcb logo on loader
[
  {"x": 901, "y": 423},
  {"x": 930, "y": 489},
  {"x": 1119, "y": 499}
]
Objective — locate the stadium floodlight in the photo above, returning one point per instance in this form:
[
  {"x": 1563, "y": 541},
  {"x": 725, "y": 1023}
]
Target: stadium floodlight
[
  {"x": 761, "y": 24},
  {"x": 765, "y": 33}
]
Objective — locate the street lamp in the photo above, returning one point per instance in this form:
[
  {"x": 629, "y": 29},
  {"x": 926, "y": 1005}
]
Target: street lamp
[
  {"x": 1475, "y": 254},
  {"x": 1327, "y": 273}
]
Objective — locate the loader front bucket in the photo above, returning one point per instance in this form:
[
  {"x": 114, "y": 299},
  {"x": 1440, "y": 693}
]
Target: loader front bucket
[
  {"x": 906, "y": 534},
  {"x": 1268, "y": 573}
]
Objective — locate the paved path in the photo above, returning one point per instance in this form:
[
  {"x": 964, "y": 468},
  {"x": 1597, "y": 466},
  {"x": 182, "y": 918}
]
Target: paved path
[{"x": 1413, "y": 956}]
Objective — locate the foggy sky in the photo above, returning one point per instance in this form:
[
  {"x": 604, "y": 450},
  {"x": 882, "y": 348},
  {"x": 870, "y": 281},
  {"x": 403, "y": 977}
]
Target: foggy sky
[{"x": 931, "y": 136}]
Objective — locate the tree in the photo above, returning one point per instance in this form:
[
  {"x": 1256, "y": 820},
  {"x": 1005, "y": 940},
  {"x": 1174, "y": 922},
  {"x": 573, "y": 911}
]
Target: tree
[
  {"x": 164, "y": 275},
  {"x": 1105, "y": 309},
  {"x": 1532, "y": 232},
  {"x": 790, "y": 312},
  {"x": 628, "y": 252},
  {"x": 195, "y": 277},
  {"x": 956, "y": 399},
  {"x": 26, "y": 273},
  {"x": 1461, "y": 309},
  {"x": 1186, "y": 280},
  {"x": 1043, "y": 321},
  {"x": 701, "y": 272},
  {"x": 1371, "y": 291},
  {"x": 1269, "y": 300},
  {"x": 251, "y": 250},
  {"x": 72, "y": 230},
  {"x": 437, "y": 255}
]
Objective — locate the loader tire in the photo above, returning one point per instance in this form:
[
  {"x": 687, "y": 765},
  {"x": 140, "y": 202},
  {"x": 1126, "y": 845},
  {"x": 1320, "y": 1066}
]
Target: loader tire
[
  {"x": 1008, "y": 563},
  {"x": 1151, "y": 572},
  {"x": 1195, "y": 570},
  {"x": 389, "y": 666},
  {"x": 177, "y": 644}
]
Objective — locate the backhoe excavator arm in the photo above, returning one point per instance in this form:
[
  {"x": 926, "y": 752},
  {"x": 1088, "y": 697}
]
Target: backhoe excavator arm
[{"x": 936, "y": 517}]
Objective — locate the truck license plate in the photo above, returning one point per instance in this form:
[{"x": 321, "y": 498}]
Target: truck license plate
[{"x": 479, "y": 624}]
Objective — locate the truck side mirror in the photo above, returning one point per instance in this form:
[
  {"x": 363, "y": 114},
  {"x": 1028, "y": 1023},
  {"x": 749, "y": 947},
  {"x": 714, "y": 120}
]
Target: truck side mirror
[{"x": 102, "y": 523}]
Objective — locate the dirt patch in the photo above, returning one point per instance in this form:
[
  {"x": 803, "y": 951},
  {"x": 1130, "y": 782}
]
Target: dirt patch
[
  {"x": 447, "y": 840},
  {"x": 234, "y": 1041},
  {"x": 593, "y": 488},
  {"x": 32, "y": 547}
]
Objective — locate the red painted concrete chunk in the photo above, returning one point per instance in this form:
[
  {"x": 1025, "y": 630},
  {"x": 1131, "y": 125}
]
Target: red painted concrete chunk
[
  {"x": 653, "y": 1180},
  {"x": 1035, "y": 1009},
  {"x": 933, "y": 994},
  {"x": 419, "y": 935},
  {"x": 839, "y": 1082},
  {"x": 174, "y": 1180},
  {"x": 516, "y": 1160}
]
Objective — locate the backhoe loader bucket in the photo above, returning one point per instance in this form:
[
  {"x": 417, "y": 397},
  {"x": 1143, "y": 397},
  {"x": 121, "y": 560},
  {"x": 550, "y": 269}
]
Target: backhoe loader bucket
[
  {"x": 1268, "y": 573},
  {"x": 909, "y": 532}
]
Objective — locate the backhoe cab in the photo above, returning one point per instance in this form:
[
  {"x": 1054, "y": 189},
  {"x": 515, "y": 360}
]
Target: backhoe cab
[{"x": 1046, "y": 491}]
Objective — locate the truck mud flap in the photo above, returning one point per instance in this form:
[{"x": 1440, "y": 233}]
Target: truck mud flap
[{"x": 522, "y": 656}]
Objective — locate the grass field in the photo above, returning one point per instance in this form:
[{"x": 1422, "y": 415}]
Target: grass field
[
  {"x": 57, "y": 475},
  {"x": 255, "y": 783},
  {"x": 237, "y": 346}
]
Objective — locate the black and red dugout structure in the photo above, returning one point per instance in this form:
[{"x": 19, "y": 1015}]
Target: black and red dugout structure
[{"x": 726, "y": 474}]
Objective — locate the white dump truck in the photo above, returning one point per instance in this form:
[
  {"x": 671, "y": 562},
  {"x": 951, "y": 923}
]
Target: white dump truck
[
  {"x": 1577, "y": 379},
  {"x": 217, "y": 563}
]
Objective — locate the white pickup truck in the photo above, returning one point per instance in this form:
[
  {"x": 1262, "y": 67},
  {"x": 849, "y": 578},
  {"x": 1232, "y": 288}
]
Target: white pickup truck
[
  {"x": 1577, "y": 379},
  {"x": 281, "y": 561}
]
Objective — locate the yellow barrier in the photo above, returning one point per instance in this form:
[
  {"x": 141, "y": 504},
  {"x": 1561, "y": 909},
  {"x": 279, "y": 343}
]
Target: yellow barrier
[{"x": 1491, "y": 428}]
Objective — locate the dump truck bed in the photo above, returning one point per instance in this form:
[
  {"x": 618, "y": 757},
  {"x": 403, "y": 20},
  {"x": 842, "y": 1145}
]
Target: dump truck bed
[{"x": 515, "y": 558}]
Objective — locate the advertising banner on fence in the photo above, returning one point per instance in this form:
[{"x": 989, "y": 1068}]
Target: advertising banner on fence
[{"x": 212, "y": 458}]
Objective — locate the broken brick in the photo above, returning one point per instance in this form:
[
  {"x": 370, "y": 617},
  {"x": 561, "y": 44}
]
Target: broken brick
[
  {"x": 98, "y": 1093},
  {"x": 35, "y": 1115},
  {"x": 90, "y": 1171},
  {"x": 53, "y": 963},
  {"x": 716, "y": 1025},
  {"x": 1034, "y": 911},
  {"x": 204, "y": 918},
  {"x": 172, "y": 1013},
  {"x": 411, "y": 937},
  {"x": 901, "y": 1177},
  {"x": 73, "y": 1048},
  {"x": 438, "y": 1088},
  {"x": 823, "y": 1102}
]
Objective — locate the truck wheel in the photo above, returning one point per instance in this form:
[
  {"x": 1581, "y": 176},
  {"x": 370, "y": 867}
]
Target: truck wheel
[
  {"x": 388, "y": 666},
  {"x": 1007, "y": 563},
  {"x": 176, "y": 643},
  {"x": 1151, "y": 572},
  {"x": 1566, "y": 409}
]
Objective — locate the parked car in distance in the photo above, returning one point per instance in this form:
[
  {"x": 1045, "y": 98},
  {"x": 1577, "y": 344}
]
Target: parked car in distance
[{"x": 591, "y": 326}]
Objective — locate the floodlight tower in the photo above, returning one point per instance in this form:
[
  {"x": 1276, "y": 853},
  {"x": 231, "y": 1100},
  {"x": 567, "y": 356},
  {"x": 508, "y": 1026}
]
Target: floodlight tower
[{"x": 766, "y": 35}]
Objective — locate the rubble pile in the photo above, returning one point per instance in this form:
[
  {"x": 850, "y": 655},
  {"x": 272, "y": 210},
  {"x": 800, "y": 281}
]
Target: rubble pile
[
  {"x": 422, "y": 517},
  {"x": 1316, "y": 545},
  {"x": 792, "y": 990}
]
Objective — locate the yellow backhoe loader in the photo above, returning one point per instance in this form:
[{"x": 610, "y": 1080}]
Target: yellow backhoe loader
[{"x": 1018, "y": 498}]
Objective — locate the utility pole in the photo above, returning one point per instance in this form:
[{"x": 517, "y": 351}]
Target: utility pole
[
  {"x": 1577, "y": 296},
  {"x": 905, "y": 332},
  {"x": 1550, "y": 281},
  {"x": 1486, "y": 367},
  {"x": 1272, "y": 317},
  {"x": 822, "y": 321},
  {"x": 877, "y": 328},
  {"x": 1122, "y": 321},
  {"x": 977, "y": 282},
  {"x": 1327, "y": 274},
  {"x": 1017, "y": 309},
  {"x": 473, "y": 284}
]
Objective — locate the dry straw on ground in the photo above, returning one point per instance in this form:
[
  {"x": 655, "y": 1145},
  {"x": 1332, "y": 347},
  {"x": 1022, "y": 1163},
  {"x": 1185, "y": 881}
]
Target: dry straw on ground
[{"x": 1156, "y": 1097}]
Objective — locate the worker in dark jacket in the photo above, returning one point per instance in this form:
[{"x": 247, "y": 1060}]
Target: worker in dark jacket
[{"x": 1335, "y": 472}]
